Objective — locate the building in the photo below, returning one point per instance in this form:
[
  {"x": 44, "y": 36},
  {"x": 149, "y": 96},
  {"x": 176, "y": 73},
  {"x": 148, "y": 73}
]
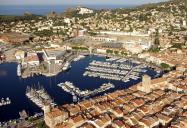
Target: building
[
  {"x": 54, "y": 116},
  {"x": 79, "y": 33},
  {"x": 184, "y": 23},
  {"x": 20, "y": 55},
  {"x": 124, "y": 33},
  {"x": 82, "y": 10},
  {"x": 100, "y": 50},
  {"x": 146, "y": 84},
  {"x": 52, "y": 55},
  {"x": 103, "y": 38},
  {"x": 31, "y": 59}
]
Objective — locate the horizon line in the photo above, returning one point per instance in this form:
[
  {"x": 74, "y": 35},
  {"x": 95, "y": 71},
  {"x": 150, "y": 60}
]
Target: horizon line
[{"x": 76, "y": 4}]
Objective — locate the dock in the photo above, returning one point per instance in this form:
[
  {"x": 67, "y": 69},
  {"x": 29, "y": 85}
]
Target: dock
[{"x": 73, "y": 90}]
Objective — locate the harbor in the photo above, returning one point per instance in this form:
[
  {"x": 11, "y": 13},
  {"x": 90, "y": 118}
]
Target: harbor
[{"x": 20, "y": 101}]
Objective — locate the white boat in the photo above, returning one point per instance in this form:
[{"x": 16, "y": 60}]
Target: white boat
[
  {"x": 79, "y": 57},
  {"x": 5, "y": 101},
  {"x": 39, "y": 96},
  {"x": 19, "y": 70},
  {"x": 66, "y": 66}
]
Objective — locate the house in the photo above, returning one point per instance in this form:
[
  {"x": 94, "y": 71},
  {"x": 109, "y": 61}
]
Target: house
[
  {"x": 32, "y": 59},
  {"x": 54, "y": 117},
  {"x": 20, "y": 55}
]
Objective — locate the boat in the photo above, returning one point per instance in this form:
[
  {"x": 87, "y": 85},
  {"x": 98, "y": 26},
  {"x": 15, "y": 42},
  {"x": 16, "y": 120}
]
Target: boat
[
  {"x": 79, "y": 58},
  {"x": 19, "y": 70},
  {"x": 66, "y": 66},
  {"x": 75, "y": 98},
  {"x": 76, "y": 92},
  {"x": 39, "y": 96},
  {"x": 5, "y": 101}
]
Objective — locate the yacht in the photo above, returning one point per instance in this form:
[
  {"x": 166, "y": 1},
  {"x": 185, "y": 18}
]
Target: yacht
[
  {"x": 19, "y": 70},
  {"x": 66, "y": 66},
  {"x": 79, "y": 58}
]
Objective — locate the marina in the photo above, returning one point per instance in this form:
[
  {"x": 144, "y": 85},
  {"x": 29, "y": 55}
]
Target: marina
[
  {"x": 115, "y": 71},
  {"x": 20, "y": 101}
]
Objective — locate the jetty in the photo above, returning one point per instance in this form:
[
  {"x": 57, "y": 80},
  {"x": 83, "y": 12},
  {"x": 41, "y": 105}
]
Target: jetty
[{"x": 73, "y": 90}]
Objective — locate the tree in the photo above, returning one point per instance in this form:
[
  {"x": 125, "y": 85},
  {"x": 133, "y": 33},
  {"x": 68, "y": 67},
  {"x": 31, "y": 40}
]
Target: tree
[
  {"x": 92, "y": 33},
  {"x": 30, "y": 119},
  {"x": 116, "y": 52},
  {"x": 164, "y": 66},
  {"x": 41, "y": 125},
  {"x": 154, "y": 49},
  {"x": 109, "y": 51},
  {"x": 123, "y": 53},
  {"x": 131, "y": 29},
  {"x": 157, "y": 38},
  {"x": 177, "y": 45}
]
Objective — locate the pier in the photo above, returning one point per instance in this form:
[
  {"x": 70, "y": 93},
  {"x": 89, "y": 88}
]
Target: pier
[{"x": 70, "y": 88}]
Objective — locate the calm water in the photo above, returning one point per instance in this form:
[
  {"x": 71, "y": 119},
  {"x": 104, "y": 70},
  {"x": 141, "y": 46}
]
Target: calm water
[
  {"x": 15, "y": 87},
  {"x": 45, "y": 9}
]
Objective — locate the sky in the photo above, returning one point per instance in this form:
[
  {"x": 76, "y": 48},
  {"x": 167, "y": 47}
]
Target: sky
[{"x": 76, "y": 2}]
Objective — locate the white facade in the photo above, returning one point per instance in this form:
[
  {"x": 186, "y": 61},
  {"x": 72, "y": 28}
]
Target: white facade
[
  {"x": 123, "y": 33},
  {"x": 103, "y": 51},
  {"x": 102, "y": 38},
  {"x": 85, "y": 10},
  {"x": 184, "y": 23},
  {"x": 67, "y": 20}
]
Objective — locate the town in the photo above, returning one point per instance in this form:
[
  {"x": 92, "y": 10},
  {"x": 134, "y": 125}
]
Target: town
[{"x": 131, "y": 40}]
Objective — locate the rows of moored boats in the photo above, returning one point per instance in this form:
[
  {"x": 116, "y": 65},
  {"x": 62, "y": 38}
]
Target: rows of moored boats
[
  {"x": 70, "y": 88},
  {"x": 112, "y": 59},
  {"x": 121, "y": 60},
  {"x": 111, "y": 65},
  {"x": 5, "y": 101},
  {"x": 114, "y": 71},
  {"x": 39, "y": 97},
  {"x": 107, "y": 70}
]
